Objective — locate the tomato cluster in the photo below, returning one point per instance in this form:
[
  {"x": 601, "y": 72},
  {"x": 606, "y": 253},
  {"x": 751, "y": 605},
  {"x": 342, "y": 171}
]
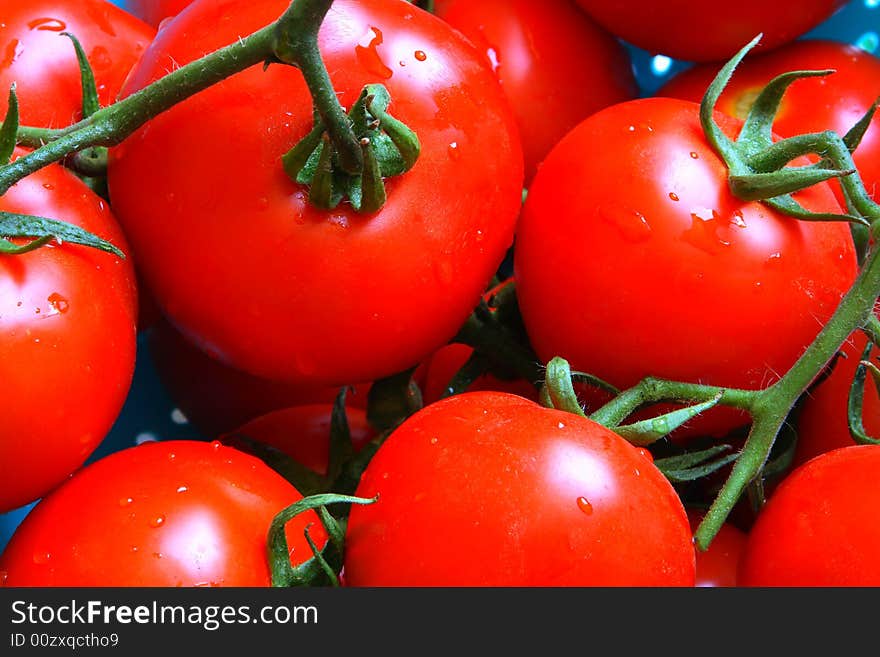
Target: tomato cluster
[{"x": 397, "y": 353}]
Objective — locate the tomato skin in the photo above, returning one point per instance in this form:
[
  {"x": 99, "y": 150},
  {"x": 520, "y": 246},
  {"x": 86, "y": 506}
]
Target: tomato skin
[
  {"x": 822, "y": 423},
  {"x": 43, "y": 63},
  {"x": 216, "y": 398},
  {"x": 174, "y": 513},
  {"x": 155, "y": 11},
  {"x": 649, "y": 266},
  {"x": 490, "y": 489},
  {"x": 834, "y": 102},
  {"x": 717, "y": 566},
  {"x": 67, "y": 339},
  {"x": 820, "y": 527},
  {"x": 699, "y": 31},
  {"x": 349, "y": 297},
  {"x": 303, "y": 433},
  {"x": 556, "y": 65}
]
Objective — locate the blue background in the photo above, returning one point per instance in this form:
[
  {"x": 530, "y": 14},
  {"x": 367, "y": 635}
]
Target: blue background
[{"x": 149, "y": 412}]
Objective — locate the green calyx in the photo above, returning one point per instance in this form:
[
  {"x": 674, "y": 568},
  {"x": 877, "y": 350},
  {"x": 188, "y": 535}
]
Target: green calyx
[
  {"x": 758, "y": 166},
  {"x": 389, "y": 148}
]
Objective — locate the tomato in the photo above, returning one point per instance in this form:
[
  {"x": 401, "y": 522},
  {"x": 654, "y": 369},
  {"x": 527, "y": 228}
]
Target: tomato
[
  {"x": 155, "y": 11},
  {"x": 303, "y": 433},
  {"x": 820, "y": 527},
  {"x": 490, "y": 489},
  {"x": 67, "y": 339},
  {"x": 717, "y": 566},
  {"x": 643, "y": 263},
  {"x": 216, "y": 398},
  {"x": 700, "y": 31},
  {"x": 43, "y": 63},
  {"x": 281, "y": 289},
  {"x": 445, "y": 362},
  {"x": 174, "y": 513},
  {"x": 835, "y": 102},
  {"x": 822, "y": 421},
  {"x": 556, "y": 65}
]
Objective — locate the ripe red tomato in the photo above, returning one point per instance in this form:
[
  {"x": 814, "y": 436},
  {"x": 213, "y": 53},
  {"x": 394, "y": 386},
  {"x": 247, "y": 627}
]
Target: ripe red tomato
[
  {"x": 67, "y": 339},
  {"x": 717, "y": 566},
  {"x": 820, "y": 527},
  {"x": 303, "y": 433},
  {"x": 665, "y": 272},
  {"x": 155, "y": 11},
  {"x": 275, "y": 286},
  {"x": 822, "y": 422},
  {"x": 700, "y": 31},
  {"x": 835, "y": 102},
  {"x": 216, "y": 398},
  {"x": 556, "y": 65},
  {"x": 44, "y": 65},
  {"x": 175, "y": 513},
  {"x": 490, "y": 489}
]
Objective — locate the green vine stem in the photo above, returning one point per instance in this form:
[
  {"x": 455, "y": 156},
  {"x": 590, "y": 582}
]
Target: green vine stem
[{"x": 292, "y": 39}]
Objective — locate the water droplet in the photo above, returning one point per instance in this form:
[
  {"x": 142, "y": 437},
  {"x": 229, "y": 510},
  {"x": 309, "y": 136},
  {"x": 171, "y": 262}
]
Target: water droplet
[
  {"x": 703, "y": 232},
  {"x": 585, "y": 506},
  {"x": 774, "y": 260},
  {"x": 738, "y": 219},
  {"x": 631, "y": 128},
  {"x": 646, "y": 453},
  {"x": 673, "y": 196},
  {"x": 694, "y": 156},
  {"x": 158, "y": 521},
  {"x": 435, "y": 440},
  {"x": 182, "y": 489},
  {"x": 134, "y": 548},
  {"x": 48, "y": 186},
  {"x": 216, "y": 445},
  {"x": 420, "y": 55},
  {"x": 125, "y": 501},
  {"x": 158, "y": 555},
  {"x": 41, "y": 557},
  {"x": 58, "y": 304},
  {"x": 633, "y": 225},
  {"x": 172, "y": 456},
  {"x": 560, "y": 425},
  {"x": 4, "y": 577},
  {"x": 368, "y": 56},
  {"x": 13, "y": 51},
  {"x": 48, "y": 24},
  {"x": 453, "y": 151},
  {"x": 494, "y": 59}
]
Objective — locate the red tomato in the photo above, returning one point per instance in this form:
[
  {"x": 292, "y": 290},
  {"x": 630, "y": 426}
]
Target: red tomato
[
  {"x": 67, "y": 339},
  {"x": 284, "y": 290},
  {"x": 665, "y": 272},
  {"x": 490, "y": 489},
  {"x": 700, "y": 31},
  {"x": 44, "y": 65},
  {"x": 556, "y": 65},
  {"x": 717, "y": 566},
  {"x": 835, "y": 102},
  {"x": 821, "y": 527},
  {"x": 445, "y": 362},
  {"x": 822, "y": 423},
  {"x": 216, "y": 398},
  {"x": 303, "y": 433},
  {"x": 155, "y": 11},
  {"x": 175, "y": 513}
]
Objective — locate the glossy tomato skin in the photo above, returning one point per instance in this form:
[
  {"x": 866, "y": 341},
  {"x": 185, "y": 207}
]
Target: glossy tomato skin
[
  {"x": 303, "y": 433},
  {"x": 216, "y": 398},
  {"x": 336, "y": 297},
  {"x": 699, "y": 31},
  {"x": 43, "y": 63},
  {"x": 820, "y": 527},
  {"x": 649, "y": 266},
  {"x": 822, "y": 423},
  {"x": 67, "y": 339},
  {"x": 174, "y": 513},
  {"x": 155, "y": 11},
  {"x": 834, "y": 102},
  {"x": 717, "y": 567},
  {"x": 556, "y": 65},
  {"x": 490, "y": 489}
]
